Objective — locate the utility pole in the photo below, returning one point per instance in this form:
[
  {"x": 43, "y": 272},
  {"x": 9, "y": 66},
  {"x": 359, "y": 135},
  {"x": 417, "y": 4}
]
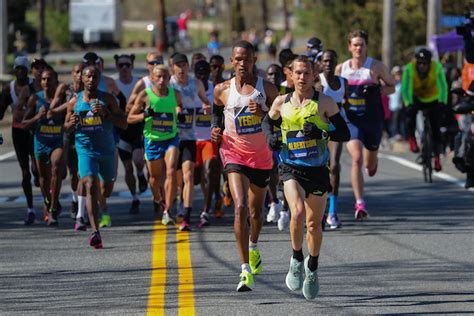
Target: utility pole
[
  {"x": 388, "y": 30},
  {"x": 40, "y": 31},
  {"x": 286, "y": 15},
  {"x": 3, "y": 37},
  {"x": 161, "y": 40},
  {"x": 434, "y": 17},
  {"x": 264, "y": 9}
]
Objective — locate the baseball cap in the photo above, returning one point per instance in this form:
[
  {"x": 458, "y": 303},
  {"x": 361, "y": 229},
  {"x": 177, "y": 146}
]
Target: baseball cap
[
  {"x": 21, "y": 61},
  {"x": 423, "y": 54},
  {"x": 90, "y": 57},
  {"x": 179, "y": 58}
]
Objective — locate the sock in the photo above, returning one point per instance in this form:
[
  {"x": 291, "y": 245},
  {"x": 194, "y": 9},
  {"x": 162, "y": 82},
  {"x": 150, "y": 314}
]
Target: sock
[
  {"x": 246, "y": 267},
  {"x": 252, "y": 245},
  {"x": 361, "y": 201},
  {"x": 313, "y": 263},
  {"x": 298, "y": 255},
  {"x": 135, "y": 197},
  {"x": 31, "y": 210},
  {"x": 74, "y": 196},
  {"x": 81, "y": 206},
  {"x": 187, "y": 216},
  {"x": 332, "y": 204}
]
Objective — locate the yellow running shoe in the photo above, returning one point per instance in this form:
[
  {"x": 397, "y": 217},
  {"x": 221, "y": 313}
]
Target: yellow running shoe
[
  {"x": 246, "y": 282},
  {"x": 255, "y": 261}
]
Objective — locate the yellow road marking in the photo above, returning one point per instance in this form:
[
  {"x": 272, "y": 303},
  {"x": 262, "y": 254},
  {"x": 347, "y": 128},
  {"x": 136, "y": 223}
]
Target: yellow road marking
[
  {"x": 156, "y": 296},
  {"x": 186, "y": 281}
]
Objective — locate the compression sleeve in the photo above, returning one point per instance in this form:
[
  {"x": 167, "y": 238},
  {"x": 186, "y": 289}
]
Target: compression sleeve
[
  {"x": 340, "y": 133},
  {"x": 217, "y": 117},
  {"x": 268, "y": 123},
  {"x": 122, "y": 100}
]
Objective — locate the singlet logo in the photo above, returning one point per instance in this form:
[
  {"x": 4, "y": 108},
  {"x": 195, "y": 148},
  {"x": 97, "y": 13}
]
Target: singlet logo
[
  {"x": 90, "y": 122},
  {"x": 163, "y": 122},
  {"x": 357, "y": 103},
  {"x": 50, "y": 129},
  {"x": 189, "y": 118},
  {"x": 246, "y": 122}
]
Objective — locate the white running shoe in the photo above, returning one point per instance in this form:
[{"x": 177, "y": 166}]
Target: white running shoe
[
  {"x": 284, "y": 220},
  {"x": 272, "y": 216}
]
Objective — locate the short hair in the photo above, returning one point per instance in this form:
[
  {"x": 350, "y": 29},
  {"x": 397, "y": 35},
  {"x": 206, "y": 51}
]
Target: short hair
[
  {"x": 161, "y": 67},
  {"x": 217, "y": 58},
  {"x": 131, "y": 57},
  {"x": 331, "y": 51},
  {"x": 302, "y": 59},
  {"x": 90, "y": 67},
  {"x": 285, "y": 56},
  {"x": 50, "y": 69},
  {"x": 244, "y": 44},
  {"x": 358, "y": 33}
]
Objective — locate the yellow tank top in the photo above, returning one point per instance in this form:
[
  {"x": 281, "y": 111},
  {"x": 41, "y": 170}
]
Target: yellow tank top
[{"x": 427, "y": 89}]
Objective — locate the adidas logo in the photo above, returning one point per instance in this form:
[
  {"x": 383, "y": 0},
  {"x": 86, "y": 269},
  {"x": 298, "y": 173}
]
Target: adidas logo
[
  {"x": 300, "y": 134},
  {"x": 163, "y": 115},
  {"x": 50, "y": 122}
]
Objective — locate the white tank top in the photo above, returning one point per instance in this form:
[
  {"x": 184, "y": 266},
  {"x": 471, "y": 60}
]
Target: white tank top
[
  {"x": 147, "y": 82},
  {"x": 13, "y": 92},
  {"x": 126, "y": 88},
  {"x": 357, "y": 77},
  {"x": 203, "y": 121},
  {"x": 337, "y": 95}
]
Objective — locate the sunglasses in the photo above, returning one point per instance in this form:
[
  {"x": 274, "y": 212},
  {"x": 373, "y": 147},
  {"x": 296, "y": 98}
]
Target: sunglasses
[
  {"x": 155, "y": 62},
  {"x": 126, "y": 65}
]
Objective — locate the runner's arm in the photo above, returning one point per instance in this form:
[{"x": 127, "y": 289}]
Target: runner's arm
[
  {"x": 139, "y": 86},
  {"x": 179, "y": 101},
  {"x": 5, "y": 100},
  {"x": 218, "y": 118},
  {"x": 56, "y": 107},
  {"x": 272, "y": 119},
  {"x": 115, "y": 114},
  {"x": 30, "y": 117},
  {"x": 70, "y": 121},
  {"x": 136, "y": 114},
  {"x": 387, "y": 79},
  {"x": 339, "y": 132}
]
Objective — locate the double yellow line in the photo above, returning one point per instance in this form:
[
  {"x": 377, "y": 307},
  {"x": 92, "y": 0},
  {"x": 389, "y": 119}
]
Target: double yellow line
[{"x": 156, "y": 297}]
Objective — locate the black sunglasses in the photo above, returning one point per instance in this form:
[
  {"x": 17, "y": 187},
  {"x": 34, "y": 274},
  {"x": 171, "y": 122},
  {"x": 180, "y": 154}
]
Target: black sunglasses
[
  {"x": 127, "y": 65},
  {"x": 155, "y": 62}
]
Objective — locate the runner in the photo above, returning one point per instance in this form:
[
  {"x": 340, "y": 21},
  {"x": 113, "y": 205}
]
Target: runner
[
  {"x": 48, "y": 142},
  {"x": 368, "y": 79},
  {"x": 242, "y": 103},
  {"x": 194, "y": 99},
  {"x": 207, "y": 168},
  {"x": 92, "y": 114},
  {"x": 335, "y": 87},
  {"x": 217, "y": 65},
  {"x": 64, "y": 93},
  {"x": 130, "y": 146},
  {"x": 305, "y": 117},
  {"x": 158, "y": 107},
  {"x": 22, "y": 138}
]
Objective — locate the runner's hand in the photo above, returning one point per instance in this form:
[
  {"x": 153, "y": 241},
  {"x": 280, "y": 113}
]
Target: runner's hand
[
  {"x": 98, "y": 108},
  {"x": 148, "y": 112},
  {"x": 42, "y": 112},
  {"x": 216, "y": 135},
  {"x": 255, "y": 108}
]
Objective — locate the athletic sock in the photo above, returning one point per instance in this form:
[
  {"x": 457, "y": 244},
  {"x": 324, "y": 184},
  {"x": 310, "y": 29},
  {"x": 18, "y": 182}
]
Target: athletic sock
[
  {"x": 332, "y": 204},
  {"x": 252, "y": 245},
  {"x": 313, "y": 263},
  {"x": 74, "y": 196},
  {"x": 187, "y": 216},
  {"x": 81, "y": 206},
  {"x": 246, "y": 267},
  {"x": 361, "y": 201},
  {"x": 298, "y": 255}
]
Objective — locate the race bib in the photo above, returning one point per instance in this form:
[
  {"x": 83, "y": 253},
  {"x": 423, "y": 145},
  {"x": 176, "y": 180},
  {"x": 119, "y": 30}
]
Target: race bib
[
  {"x": 162, "y": 122},
  {"x": 299, "y": 146},
  {"x": 202, "y": 120},
  {"x": 246, "y": 122},
  {"x": 48, "y": 129},
  {"x": 90, "y": 122},
  {"x": 189, "y": 118}
]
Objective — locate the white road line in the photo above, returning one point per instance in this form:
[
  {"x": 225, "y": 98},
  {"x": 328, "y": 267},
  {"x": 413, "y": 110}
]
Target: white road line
[
  {"x": 7, "y": 155},
  {"x": 415, "y": 166}
]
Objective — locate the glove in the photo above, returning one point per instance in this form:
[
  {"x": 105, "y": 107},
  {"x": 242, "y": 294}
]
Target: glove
[
  {"x": 312, "y": 131},
  {"x": 148, "y": 112},
  {"x": 181, "y": 117}
]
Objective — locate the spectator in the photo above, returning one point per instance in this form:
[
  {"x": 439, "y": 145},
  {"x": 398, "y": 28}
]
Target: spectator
[{"x": 397, "y": 121}]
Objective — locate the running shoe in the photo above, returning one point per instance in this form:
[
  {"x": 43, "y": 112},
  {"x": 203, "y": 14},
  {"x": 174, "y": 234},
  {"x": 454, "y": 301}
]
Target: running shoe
[
  {"x": 142, "y": 183},
  {"x": 255, "y": 261},
  {"x": 80, "y": 225},
  {"x": 333, "y": 222},
  {"x": 272, "y": 216},
  {"x": 372, "y": 172},
  {"x": 30, "y": 218},
  {"x": 469, "y": 181},
  {"x": 184, "y": 226},
  {"x": 218, "y": 211},
  {"x": 53, "y": 218},
  {"x": 284, "y": 220},
  {"x": 105, "y": 221},
  {"x": 360, "y": 211},
  {"x": 246, "y": 282},
  {"x": 204, "y": 219},
  {"x": 294, "y": 277},
  {"x": 311, "y": 282},
  {"x": 135, "y": 207},
  {"x": 95, "y": 240},
  {"x": 74, "y": 209},
  {"x": 413, "y": 145},
  {"x": 166, "y": 219},
  {"x": 437, "y": 163},
  {"x": 46, "y": 208}
]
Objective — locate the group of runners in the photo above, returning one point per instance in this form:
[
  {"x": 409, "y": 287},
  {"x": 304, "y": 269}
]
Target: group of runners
[{"x": 261, "y": 135}]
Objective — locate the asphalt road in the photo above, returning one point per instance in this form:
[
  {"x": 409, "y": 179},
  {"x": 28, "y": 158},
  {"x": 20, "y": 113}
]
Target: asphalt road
[{"x": 413, "y": 256}]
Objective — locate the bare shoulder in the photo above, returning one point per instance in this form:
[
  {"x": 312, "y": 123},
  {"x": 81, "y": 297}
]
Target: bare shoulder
[{"x": 221, "y": 87}]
